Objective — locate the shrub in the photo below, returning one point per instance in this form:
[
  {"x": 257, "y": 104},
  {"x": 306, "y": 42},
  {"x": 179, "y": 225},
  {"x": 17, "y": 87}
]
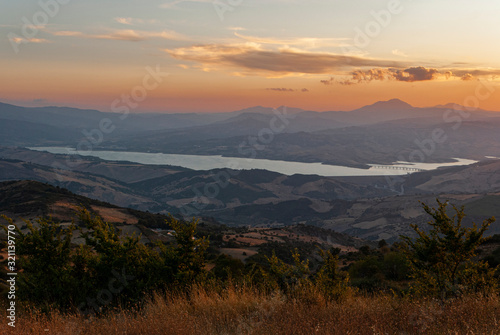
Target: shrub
[
  {"x": 107, "y": 270},
  {"x": 441, "y": 260}
]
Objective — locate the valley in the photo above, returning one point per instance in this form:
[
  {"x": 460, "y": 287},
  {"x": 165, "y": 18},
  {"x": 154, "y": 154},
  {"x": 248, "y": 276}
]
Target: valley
[{"x": 368, "y": 207}]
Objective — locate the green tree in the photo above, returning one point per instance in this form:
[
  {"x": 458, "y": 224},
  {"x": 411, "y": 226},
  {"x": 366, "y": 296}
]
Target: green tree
[
  {"x": 227, "y": 267},
  {"x": 332, "y": 282},
  {"x": 108, "y": 269},
  {"x": 441, "y": 260},
  {"x": 108, "y": 258},
  {"x": 45, "y": 258},
  {"x": 184, "y": 263},
  {"x": 395, "y": 266},
  {"x": 284, "y": 276}
]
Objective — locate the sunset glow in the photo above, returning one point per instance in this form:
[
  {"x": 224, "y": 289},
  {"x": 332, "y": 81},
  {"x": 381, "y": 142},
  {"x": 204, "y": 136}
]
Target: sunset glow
[{"x": 228, "y": 55}]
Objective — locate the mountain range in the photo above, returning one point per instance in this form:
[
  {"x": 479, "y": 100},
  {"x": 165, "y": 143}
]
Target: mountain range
[
  {"x": 381, "y": 133},
  {"x": 368, "y": 207}
]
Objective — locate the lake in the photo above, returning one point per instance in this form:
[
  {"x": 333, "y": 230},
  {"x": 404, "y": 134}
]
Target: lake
[{"x": 197, "y": 162}]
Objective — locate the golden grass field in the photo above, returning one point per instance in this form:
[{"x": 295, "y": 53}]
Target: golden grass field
[{"x": 246, "y": 311}]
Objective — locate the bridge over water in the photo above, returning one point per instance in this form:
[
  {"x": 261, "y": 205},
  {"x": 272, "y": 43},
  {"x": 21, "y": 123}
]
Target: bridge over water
[{"x": 400, "y": 168}]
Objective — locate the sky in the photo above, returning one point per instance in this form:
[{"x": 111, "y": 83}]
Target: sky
[{"x": 226, "y": 55}]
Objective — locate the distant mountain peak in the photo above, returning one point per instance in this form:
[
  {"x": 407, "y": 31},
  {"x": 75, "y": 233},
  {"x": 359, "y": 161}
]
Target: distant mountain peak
[{"x": 393, "y": 104}]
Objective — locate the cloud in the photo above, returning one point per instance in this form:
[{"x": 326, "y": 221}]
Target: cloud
[
  {"x": 130, "y": 21},
  {"x": 237, "y": 28},
  {"x": 19, "y": 40},
  {"x": 124, "y": 35},
  {"x": 410, "y": 74},
  {"x": 399, "y": 53},
  {"x": 67, "y": 33},
  {"x": 328, "y": 81},
  {"x": 332, "y": 81},
  {"x": 372, "y": 74},
  {"x": 124, "y": 20},
  {"x": 251, "y": 56},
  {"x": 346, "y": 82},
  {"x": 467, "y": 77},
  {"x": 121, "y": 35},
  {"x": 418, "y": 73},
  {"x": 281, "y": 89},
  {"x": 264, "y": 59},
  {"x": 40, "y": 100},
  {"x": 278, "y": 89},
  {"x": 471, "y": 73},
  {"x": 304, "y": 42}
]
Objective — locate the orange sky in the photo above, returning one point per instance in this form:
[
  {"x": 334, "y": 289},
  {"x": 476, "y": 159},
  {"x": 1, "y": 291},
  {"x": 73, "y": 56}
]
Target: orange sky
[{"x": 314, "y": 55}]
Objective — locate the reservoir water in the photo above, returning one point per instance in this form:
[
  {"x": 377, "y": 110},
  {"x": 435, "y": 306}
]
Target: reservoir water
[{"x": 198, "y": 162}]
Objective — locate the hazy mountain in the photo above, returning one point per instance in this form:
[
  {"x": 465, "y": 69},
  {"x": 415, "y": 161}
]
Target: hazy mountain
[
  {"x": 379, "y": 133},
  {"x": 166, "y": 127},
  {"x": 389, "y": 106},
  {"x": 25, "y": 133},
  {"x": 382, "y": 143},
  {"x": 268, "y": 110},
  {"x": 86, "y": 119}
]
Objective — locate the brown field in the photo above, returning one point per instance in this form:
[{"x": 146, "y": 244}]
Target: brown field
[
  {"x": 115, "y": 215},
  {"x": 238, "y": 253},
  {"x": 63, "y": 210},
  {"x": 250, "y": 312},
  {"x": 258, "y": 236}
]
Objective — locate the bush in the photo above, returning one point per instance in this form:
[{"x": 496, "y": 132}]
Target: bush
[
  {"x": 441, "y": 260},
  {"x": 107, "y": 270}
]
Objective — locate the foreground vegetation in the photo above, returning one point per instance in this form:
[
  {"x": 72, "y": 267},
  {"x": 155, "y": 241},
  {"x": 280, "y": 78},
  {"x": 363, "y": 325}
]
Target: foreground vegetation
[
  {"x": 432, "y": 284},
  {"x": 246, "y": 311}
]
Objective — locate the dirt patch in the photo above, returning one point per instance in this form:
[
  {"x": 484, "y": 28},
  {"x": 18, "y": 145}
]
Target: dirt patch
[
  {"x": 238, "y": 253},
  {"x": 115, "y": 215},
  {"x": 247, "y": 240},
  {"x": 63, "y": 210}
]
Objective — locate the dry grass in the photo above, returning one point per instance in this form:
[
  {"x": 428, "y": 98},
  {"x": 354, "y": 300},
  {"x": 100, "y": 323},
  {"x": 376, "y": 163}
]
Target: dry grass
[{"x": 250, "y": 312}]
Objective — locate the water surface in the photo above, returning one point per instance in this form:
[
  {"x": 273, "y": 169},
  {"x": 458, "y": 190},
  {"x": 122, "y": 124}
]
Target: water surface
[{"x": 198, "y": 162}]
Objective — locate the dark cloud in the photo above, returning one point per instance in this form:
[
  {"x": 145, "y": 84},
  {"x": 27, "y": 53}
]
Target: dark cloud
[
  {"x": 372, "y": 74},
  {"x": 411, "y": 74},
  {"x": 346, "y": 82},
  {"x": 252, "y": 59},
  {"x": 283, "y": 61},
  {"x": 473, "y": 73},
  {"x": 328, "y": 81},
  {"x": 282, "y": 89},
  {"x": 467, "y": 76}
]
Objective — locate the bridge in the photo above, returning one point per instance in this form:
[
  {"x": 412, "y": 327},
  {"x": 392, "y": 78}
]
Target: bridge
[{"x": 403, "y": 168}]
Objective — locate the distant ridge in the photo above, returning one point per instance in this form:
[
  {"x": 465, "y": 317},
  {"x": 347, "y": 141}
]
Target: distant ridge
[{"x": 389, "y": 105}]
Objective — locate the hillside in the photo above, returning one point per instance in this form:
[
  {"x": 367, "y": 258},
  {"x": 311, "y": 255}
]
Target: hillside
[
  {"x": 369, "y": 207},
  {"x": 30, "y": 199}
]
